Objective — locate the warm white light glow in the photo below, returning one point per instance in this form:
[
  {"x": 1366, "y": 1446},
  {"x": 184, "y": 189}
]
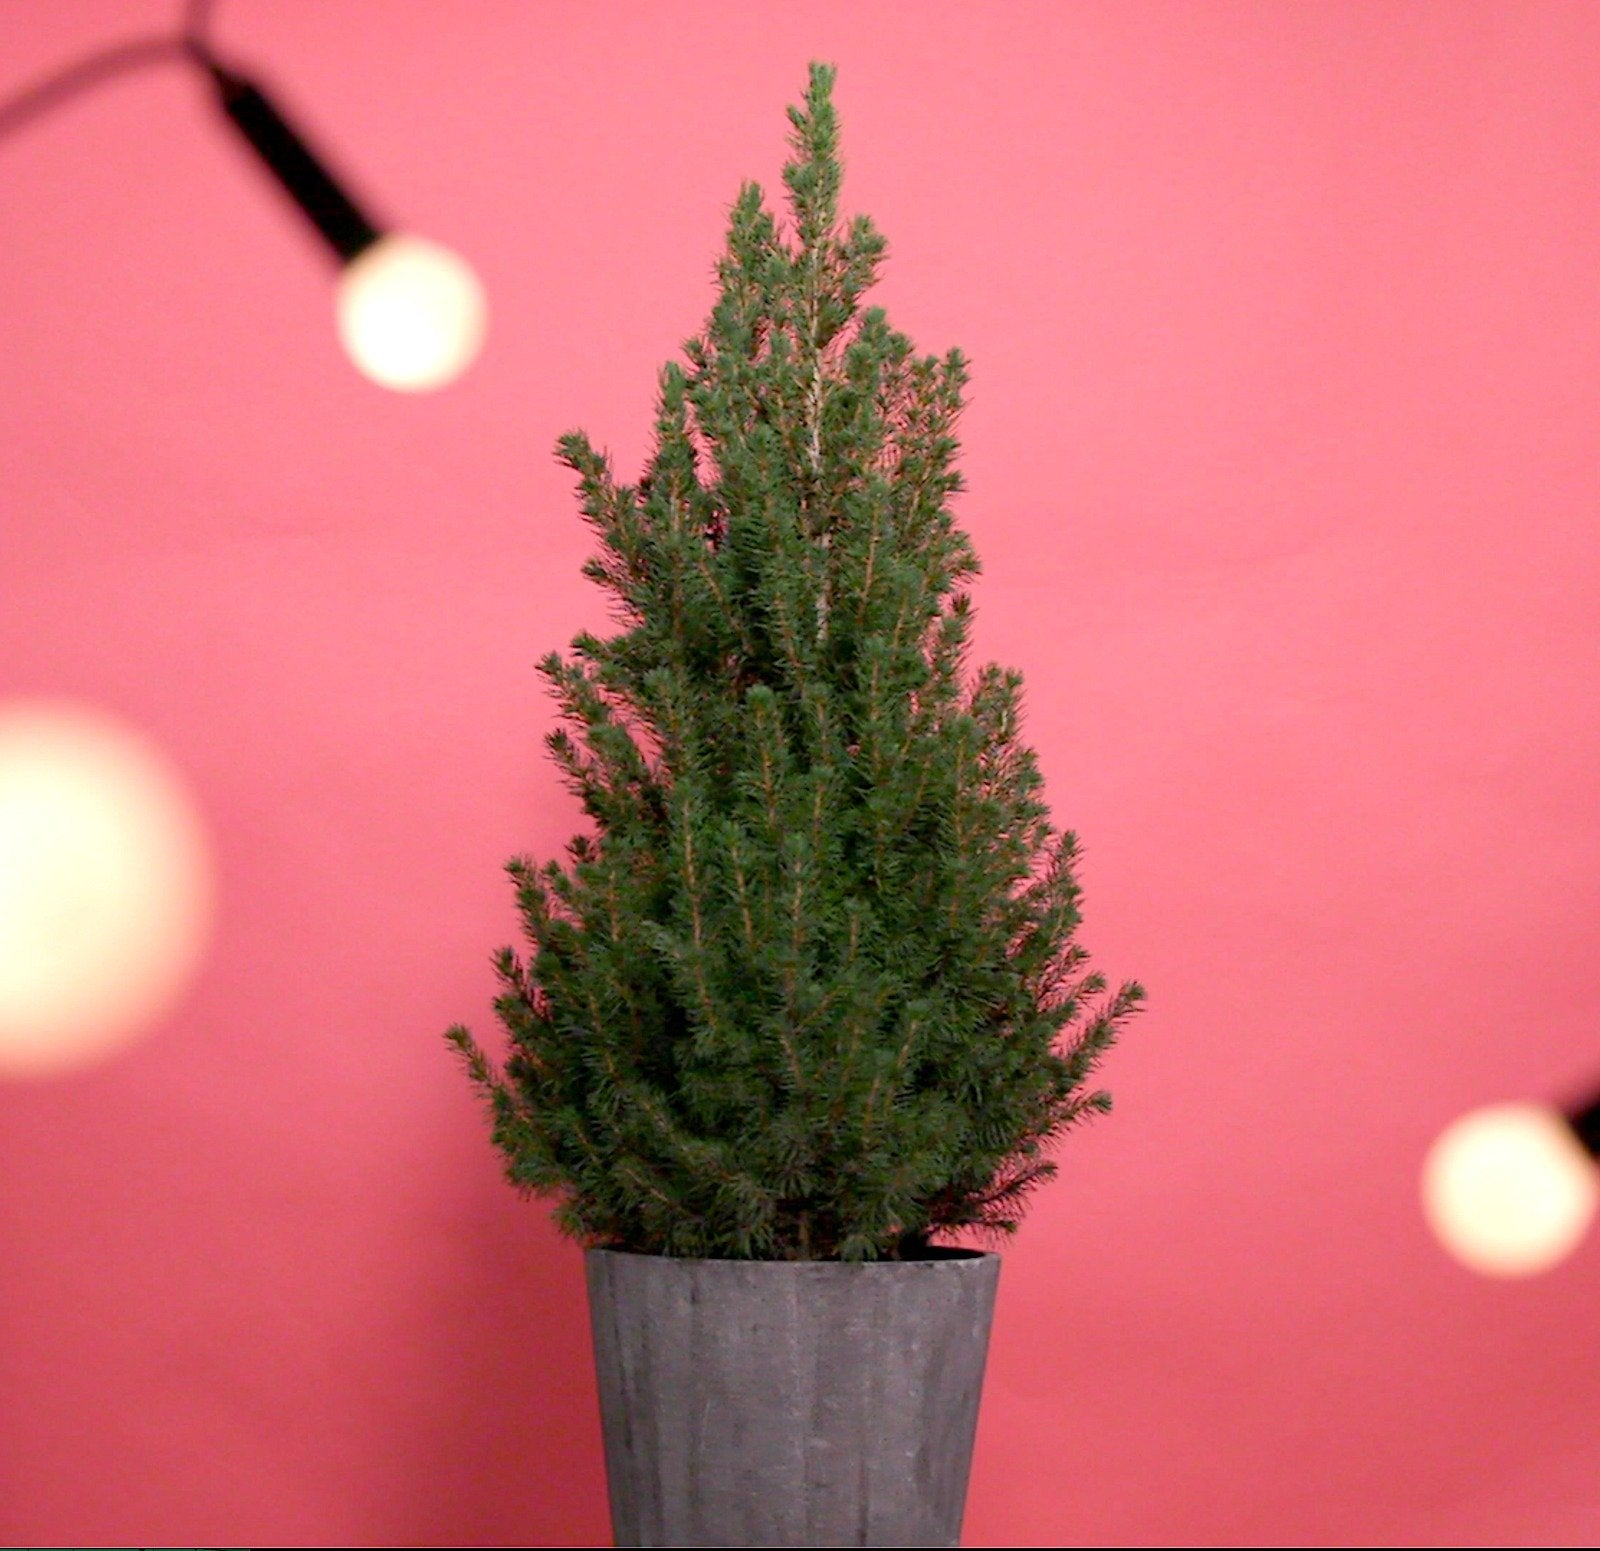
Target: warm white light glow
[
  {"x": 104, "y": 887},
  {"x": 412, "y": 314},
  {"x": 1509, "y": 1190}
]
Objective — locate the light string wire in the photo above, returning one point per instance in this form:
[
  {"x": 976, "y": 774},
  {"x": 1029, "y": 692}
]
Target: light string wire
[{"x": 71, "y": 80}]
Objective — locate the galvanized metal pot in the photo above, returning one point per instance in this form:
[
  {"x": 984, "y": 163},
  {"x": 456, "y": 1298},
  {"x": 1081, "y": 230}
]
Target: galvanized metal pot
[{"x": 789, "y": 1403}]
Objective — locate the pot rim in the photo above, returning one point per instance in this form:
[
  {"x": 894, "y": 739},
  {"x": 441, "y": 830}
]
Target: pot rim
[{"x": 939, "y": 1254}]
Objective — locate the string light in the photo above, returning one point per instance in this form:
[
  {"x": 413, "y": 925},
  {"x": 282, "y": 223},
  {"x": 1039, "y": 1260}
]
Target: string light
[
  {"x": 410, "y": 313},
  {"x": 104, "y": 880},
  {"x": 1511, "y": 1189},
  {"x": 105, "y": 887}
]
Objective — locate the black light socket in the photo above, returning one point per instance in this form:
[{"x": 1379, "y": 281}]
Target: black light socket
[
  {"x": 346, "y": 228},
  {"x": 1585, "y": 1123}
]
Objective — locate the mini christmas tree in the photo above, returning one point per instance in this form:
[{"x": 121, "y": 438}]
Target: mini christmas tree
[{"x": 809, "y": 989}]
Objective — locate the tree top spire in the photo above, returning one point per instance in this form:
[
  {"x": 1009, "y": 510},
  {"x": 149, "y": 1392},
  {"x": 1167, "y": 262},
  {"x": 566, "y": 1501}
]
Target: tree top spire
[{"x": 813, "y": 178}]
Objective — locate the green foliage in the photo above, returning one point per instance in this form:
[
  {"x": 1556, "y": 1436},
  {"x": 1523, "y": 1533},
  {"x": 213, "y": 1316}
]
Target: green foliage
[{"x": 809, "y": 989}]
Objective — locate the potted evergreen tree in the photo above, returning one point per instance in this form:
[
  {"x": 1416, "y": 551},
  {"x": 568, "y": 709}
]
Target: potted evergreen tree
[{"x": 806, "y": 1001}]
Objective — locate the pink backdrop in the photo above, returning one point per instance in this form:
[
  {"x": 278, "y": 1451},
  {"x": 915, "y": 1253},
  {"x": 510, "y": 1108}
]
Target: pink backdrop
[{"x": 1281, "y": 456}]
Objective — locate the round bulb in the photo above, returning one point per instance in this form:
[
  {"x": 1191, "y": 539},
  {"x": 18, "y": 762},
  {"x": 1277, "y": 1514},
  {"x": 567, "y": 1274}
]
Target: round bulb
[
  {"x": 104, "y": 887},
  {"x": 1509, "y": 1190},
  {"x": 411, "y": 313}
]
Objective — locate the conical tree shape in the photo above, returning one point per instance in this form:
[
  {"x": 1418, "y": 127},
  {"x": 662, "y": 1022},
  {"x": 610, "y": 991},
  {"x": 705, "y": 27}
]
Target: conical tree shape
[{"x": 810, "y": 988}]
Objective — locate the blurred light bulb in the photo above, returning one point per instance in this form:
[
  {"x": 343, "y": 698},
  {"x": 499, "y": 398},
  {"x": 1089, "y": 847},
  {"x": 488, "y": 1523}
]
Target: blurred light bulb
[
  {"x": 1509, "y": 1190},
  {"x": 104, "y": 887},
  {"x": 412, "y": 314}
]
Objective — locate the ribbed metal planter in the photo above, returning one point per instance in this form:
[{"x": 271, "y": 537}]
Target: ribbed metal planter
[{"x": 789, "y": 1403}]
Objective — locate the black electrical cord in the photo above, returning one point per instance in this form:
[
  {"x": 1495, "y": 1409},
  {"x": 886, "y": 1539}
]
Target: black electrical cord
[
  {"x": 189, "y": 42},
  {"x": 197, "y": 22}
]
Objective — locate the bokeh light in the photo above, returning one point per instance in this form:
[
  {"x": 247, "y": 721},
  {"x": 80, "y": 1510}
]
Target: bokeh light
[
  {"x": 412, "y": 313},
  {"x": 105, "y": 887},
  {"x": 1509, "y": 1190}
]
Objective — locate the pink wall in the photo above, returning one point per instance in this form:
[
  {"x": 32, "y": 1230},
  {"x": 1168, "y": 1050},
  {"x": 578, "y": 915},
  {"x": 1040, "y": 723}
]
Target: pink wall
[{"x": 1281, "y": 457}]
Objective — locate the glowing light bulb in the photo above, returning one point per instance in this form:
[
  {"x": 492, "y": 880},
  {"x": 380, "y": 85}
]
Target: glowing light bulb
[
  {"x": 105, "y": 887},
  {"x": 1509, "y": 1190},
  {"x": 412, "y": 314}
]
